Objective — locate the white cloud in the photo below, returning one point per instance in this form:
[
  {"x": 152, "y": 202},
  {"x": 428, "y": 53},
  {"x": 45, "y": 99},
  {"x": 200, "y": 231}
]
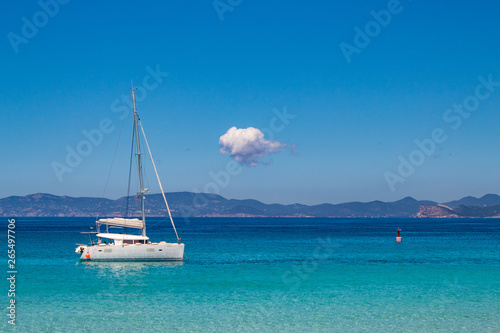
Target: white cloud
[{"x": 247, "y": 145}]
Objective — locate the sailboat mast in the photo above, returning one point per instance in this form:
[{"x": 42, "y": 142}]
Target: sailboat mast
[{"x": 136, "y": 128}]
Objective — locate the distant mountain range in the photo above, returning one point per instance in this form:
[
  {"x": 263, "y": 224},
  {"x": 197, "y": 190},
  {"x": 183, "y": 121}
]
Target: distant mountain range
[{"x": 187, "y": 204}]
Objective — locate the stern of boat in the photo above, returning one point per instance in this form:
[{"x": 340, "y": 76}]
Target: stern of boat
[{"x": 83, "y": 250}]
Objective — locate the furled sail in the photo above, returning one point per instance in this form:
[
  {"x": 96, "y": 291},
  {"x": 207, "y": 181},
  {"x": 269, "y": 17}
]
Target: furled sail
[{"x": 121, "y": 222}]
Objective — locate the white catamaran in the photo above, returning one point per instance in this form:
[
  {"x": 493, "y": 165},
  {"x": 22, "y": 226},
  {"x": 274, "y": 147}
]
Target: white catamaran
[{"x": 126, "y": 247}]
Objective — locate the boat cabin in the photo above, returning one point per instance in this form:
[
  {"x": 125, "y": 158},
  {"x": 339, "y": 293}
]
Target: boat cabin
[{"x": 123, "y": 239}]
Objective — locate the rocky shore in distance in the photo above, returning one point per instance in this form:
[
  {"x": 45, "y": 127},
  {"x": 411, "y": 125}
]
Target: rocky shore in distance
[{"x": 462, "y": 211}]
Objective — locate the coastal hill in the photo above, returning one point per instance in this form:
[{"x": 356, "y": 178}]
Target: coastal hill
[
  {"x": 188, "y": 204},
  {"x": 441, "y": 211}
]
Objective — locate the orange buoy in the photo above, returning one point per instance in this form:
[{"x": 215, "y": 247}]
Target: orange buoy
[
  {"x": 87, "y": 255},
  {"x": 399, "y": 239}
]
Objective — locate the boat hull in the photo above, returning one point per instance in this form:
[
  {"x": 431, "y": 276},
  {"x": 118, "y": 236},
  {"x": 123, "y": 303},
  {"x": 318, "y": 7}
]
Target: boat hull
[{"x": 137, "y": 252}]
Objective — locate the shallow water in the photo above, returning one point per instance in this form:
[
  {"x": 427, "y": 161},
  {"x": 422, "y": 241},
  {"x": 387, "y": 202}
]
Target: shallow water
[{"x": 266, "y": 275}]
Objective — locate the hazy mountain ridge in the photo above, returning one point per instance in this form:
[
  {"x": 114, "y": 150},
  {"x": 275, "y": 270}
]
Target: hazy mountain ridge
[
  {"x": 186, "y": 204},
  {"x": 485, "y": 201}
]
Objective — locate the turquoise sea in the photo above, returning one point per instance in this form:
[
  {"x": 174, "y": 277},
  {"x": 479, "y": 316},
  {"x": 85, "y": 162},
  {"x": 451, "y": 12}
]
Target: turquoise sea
[{"x": 264, "y": 275}]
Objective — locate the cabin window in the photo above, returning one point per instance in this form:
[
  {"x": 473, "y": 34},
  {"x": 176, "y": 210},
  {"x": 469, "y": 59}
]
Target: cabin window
[{"x": 131, "y": 241}]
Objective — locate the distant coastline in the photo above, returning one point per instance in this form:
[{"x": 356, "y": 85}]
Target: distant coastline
[{"x": 188, "y": 204}]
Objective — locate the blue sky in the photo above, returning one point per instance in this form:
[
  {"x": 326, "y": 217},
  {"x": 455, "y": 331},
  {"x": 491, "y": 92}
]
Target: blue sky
[{"x": 350, "y": 123}]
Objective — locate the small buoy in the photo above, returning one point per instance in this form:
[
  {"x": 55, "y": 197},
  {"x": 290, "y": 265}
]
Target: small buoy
[
  {"x": 399, "y": 239},
  {"x": 87, "y": 255}
]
